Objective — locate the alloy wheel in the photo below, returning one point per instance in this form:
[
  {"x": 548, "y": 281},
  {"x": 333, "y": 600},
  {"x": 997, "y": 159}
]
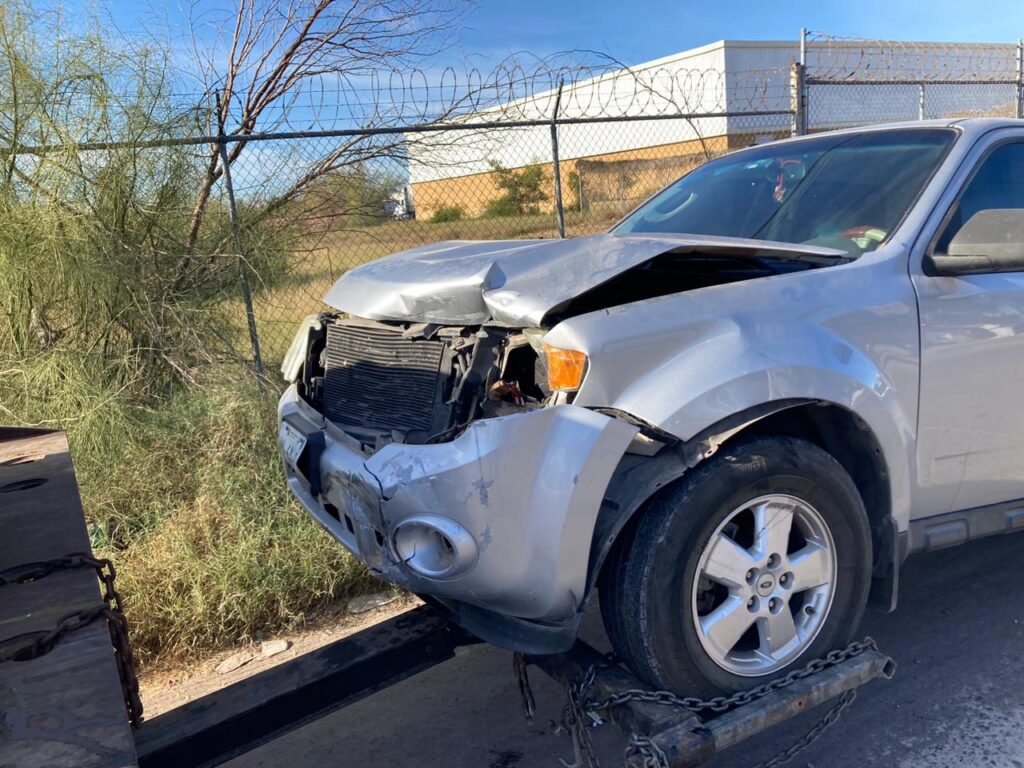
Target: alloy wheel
[{"x": 764, "y": 585}]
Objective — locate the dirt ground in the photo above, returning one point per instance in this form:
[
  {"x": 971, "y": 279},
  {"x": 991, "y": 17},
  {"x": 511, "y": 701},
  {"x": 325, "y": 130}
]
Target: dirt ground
[{"x": 168, "y": 686}]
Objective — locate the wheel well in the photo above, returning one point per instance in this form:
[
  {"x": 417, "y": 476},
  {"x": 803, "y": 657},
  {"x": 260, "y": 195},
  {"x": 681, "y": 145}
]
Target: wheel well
[
  {"x": 834, "y": 429},
  {"x": 850, "y": 441}
]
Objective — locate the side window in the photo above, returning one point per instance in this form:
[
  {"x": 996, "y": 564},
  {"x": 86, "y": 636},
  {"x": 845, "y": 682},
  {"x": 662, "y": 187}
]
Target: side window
[{"x": 999, "y": 183}]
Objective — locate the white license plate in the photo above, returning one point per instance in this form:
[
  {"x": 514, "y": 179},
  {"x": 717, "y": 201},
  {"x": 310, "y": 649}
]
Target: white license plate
[{"x": 292, "y": 443}]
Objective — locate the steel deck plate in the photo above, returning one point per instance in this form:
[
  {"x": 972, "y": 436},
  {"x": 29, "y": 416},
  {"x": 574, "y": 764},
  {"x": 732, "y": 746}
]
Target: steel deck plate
[{"x": 64, "y": 708}]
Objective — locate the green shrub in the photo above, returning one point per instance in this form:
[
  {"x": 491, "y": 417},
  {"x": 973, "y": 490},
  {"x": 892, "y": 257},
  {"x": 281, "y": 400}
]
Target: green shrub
[
  {"x": 501, "y": 207},
  {"x": 186, "y": 495},
  {"x": 522, "y": 191},
  {"x": 447, "y": 213},
  {"x": 117, "y": 328}
]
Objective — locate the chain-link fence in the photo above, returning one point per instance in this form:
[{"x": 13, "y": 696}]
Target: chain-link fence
[
  {"x": 850, "y": 82},
  {"x": 546, "y": 154},
  {"x": 573, "y": 157},
  {"x": 564, "y": 161}
]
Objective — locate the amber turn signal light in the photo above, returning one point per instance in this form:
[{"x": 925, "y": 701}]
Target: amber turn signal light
[{"x": 565, "y": 368}]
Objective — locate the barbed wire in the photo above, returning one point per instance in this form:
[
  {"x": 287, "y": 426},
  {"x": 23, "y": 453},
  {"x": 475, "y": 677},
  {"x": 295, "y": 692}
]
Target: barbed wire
[
  {"x": 839, "y": 58},
  {"x": 510, "y": 93},
  {"x": 407, "y": 98},
  {"x": 514, "y": 92}
]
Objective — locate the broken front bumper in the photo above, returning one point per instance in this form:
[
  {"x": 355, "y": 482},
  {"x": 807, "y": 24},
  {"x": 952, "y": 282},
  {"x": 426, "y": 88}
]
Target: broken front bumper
[{"x": 499, "y": 519}]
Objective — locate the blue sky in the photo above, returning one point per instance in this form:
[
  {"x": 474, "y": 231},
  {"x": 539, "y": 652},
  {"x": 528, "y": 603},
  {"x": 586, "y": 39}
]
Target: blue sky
[
  {"x": 635, "y": 31},
  {"x": 638, "y": 30}
]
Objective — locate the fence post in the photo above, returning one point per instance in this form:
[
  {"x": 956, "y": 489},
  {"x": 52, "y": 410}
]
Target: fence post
[
  {"x": 250, "y": 314},
  {"x": 1020, "y": 78},
  {"x": 554, "y": 157},
  {"x": 920, "y": 101},
  {"x": 798, "y": 88},
  {"x": 797, "y": 77}
]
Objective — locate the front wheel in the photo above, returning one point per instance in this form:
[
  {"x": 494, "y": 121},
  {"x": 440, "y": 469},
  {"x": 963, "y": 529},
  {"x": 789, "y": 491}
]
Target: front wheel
[{"x": 756, "y": 561}]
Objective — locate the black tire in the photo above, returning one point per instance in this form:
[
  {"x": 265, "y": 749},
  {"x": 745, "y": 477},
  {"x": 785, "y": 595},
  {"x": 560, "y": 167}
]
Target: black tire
[
  {"x": 645, "y": 594},
  {"x": 608, "y": 592}
]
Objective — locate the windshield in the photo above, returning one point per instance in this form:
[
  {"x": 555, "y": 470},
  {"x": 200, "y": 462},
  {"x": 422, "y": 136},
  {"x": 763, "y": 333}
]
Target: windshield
[{"x": 846, "y": 191}]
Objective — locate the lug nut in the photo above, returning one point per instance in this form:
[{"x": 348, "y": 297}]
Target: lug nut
[
  {"x": 774, "y": 560},
  {"x": 773, "y": 604},
  {"x": 751, "y": 575},
  {"x": 752, "y": 605}
]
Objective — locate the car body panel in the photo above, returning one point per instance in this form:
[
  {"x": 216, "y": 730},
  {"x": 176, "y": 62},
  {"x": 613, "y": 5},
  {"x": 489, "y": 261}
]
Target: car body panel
[
  {"x": 845, "y": 335},
  {"x": 515, "y": 282}
]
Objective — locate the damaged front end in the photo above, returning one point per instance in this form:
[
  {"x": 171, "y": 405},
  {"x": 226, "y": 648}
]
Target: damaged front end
[
  {"x": 442, "y": 459},
  {"x": 434, "y": 433}
]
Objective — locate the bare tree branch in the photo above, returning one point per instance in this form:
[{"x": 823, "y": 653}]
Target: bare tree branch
[{"x": 278, "y": 50}]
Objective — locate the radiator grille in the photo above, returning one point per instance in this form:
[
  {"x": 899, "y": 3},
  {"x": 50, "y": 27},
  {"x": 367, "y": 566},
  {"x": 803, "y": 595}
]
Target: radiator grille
[{"x": 376, "y": 378}]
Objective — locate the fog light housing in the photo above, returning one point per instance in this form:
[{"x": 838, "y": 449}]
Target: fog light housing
[{"x": 434, "y": 546}]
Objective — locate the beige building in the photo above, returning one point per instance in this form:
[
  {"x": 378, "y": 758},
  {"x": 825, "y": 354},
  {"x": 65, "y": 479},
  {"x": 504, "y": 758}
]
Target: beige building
[{"x": 736, "y": 92}]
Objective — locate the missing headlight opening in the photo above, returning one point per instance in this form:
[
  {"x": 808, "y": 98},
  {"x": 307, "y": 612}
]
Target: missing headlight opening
[{"x": 418, "y": 383}]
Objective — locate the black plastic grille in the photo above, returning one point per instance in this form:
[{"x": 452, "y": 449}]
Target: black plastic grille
[{"x": 376, "y": 378}]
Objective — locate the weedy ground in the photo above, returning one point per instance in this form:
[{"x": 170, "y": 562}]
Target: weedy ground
[
  {"x": 182, "y": 485},
  {"x": 186, "y": 496}
]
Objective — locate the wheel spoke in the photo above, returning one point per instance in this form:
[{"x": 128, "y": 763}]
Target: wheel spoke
[
  {"x": 725, "y": 625},
  {"x": 772, "y": 523},
  {"x": 811, "y": 566},
  {"x": 776, "y": 631},
  {"x": 727, "y": 562}
]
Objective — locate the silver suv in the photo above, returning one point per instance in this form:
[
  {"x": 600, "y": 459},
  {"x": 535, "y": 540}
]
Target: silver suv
[{"x": 730, "y": 418}]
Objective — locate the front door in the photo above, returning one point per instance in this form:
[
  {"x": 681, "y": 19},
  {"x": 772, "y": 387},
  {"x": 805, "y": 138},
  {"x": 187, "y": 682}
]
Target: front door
[{"x": 971, "y": 413}]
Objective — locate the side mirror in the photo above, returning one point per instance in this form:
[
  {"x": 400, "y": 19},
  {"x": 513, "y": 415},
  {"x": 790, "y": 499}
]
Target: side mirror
[{"x": 990, "y": 241}]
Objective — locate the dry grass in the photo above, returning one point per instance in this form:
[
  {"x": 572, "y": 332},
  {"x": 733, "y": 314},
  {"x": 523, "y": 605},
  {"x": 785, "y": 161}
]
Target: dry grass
[
  {"x": 218, "y": 551},
  {"x": 187, "y": 496}
]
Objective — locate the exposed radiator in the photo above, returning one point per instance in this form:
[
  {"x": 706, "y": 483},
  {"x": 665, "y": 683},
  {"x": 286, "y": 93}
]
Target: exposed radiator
[{"x": 376, "y": 378}]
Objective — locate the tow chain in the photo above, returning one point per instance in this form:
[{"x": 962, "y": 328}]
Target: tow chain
[
  {"x": 110, "y": 609},
  {"x": 580, "y": 715}
]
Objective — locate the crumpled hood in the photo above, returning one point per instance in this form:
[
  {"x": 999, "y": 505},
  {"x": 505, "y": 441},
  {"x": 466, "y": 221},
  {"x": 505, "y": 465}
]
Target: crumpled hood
[{"x": 516, "y": 282}]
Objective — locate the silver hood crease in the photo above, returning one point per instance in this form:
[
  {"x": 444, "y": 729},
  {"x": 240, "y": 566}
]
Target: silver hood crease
[{"x": 518, "y": 282}]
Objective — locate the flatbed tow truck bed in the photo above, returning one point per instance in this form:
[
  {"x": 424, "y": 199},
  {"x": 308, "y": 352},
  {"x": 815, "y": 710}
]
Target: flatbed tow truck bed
[{"x": 68, "y": 695}]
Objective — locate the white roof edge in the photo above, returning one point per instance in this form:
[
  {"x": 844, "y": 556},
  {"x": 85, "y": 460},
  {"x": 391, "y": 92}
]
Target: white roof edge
[
  {"x": 689, "y": 53},
  {"x": 761, "y": 43},
  {"x": 724, "y": 45},
  {"x": 890, "y": 43}
]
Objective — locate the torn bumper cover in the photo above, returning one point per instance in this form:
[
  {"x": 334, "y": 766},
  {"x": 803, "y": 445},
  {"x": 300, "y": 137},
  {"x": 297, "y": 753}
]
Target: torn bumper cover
[{"x": 493, "y": 526}]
